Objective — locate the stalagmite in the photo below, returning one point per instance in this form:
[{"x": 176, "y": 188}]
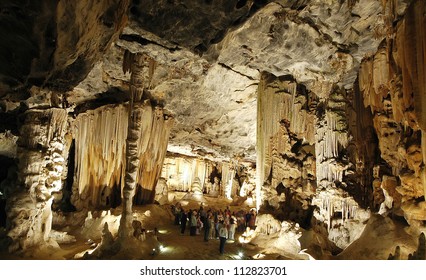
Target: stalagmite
[
  {"x": 136, "y": 64},
  {"x": 41, "y": 153},
  {"x": 423, "y": 171}
]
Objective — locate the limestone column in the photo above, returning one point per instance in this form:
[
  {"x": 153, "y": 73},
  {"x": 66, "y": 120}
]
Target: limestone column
[
  {"x": 41, "y": 156},
  {"x": 137, "y": 65}
]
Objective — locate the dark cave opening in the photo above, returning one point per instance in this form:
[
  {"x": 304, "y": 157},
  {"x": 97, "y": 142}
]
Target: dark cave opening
[
  {"x": 143, "y": 196},
  {"x": 6, "y": 163},
  {"x": 65, "y": 204},
  {"x": 2, "y": 212},
  {"x": 215, "y": 173}
]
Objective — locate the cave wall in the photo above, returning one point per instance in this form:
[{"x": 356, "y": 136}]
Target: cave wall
[
  {"x": 392, "y": 82},
  {"x": 41, "y": 155},
  {"x": 213, "y": 178},
  {"x": 365, "y": 140},
  {"x": 286, "y": 169}
]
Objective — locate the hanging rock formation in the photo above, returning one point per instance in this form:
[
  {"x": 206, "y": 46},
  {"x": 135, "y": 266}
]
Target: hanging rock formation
[
  {"x": 100, "y": 138},
  {"x": 326, "y": 97},
  {"x": 392, "y": 84}
]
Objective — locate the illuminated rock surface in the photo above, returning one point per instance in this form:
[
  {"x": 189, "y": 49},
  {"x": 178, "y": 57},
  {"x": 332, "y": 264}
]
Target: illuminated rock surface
[{"x": 311, "y": 112}]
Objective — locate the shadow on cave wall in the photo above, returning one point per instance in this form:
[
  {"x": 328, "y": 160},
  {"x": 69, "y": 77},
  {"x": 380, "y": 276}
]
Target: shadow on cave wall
[{"x": 7, "y": 165}]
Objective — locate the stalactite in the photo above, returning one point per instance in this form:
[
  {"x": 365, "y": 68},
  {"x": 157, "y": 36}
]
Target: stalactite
[
  {"x": 100, "y": 137},
  {"x": 282, "y": 110},
  {"x": 410, "y": 57},
  {"x": 331, "y": 139},
  {"x": 228, "y": 174},
  {"x": 181, "y": 172}
]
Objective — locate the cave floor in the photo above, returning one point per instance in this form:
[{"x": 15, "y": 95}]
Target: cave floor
[{"x": 379, "y": 239}]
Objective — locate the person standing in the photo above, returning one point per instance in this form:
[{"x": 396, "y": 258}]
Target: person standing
[
  {"x": 232, "y": 227},
  {"x": 193, "y": 223},
  {"x": 207, "y": 227},
  {"x": 212, "y": 230},
  {"x": 183, "y": 220},
  {"x": 223, "y": 234}
]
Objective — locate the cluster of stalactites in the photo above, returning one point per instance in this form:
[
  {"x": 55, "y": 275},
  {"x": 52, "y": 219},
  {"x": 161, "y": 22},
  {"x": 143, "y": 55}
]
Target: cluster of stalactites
[
  {"x": 331, "y": 138},
  {"x": 393, "y": 83},
  {"x": 100, "y": 153},
  {"x": 228, "y": 175},
  {"x": 181, "y": 172},
  {"x": 330, "y": 204},
  {"x": 282, "y": 109}
]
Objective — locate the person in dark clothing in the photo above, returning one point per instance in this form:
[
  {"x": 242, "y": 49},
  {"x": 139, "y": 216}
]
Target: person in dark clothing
[
  {"x": 183, "y": 220},
  {"x": 178, "y": 213},
  {"x": 216, "y": 225},
  {"x": 247, "y": 220},
  {"x": 207, "y": 227}
]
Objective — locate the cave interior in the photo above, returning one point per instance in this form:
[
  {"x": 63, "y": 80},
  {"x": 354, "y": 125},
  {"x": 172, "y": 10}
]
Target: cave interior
[{"x": 117, "y": 115}]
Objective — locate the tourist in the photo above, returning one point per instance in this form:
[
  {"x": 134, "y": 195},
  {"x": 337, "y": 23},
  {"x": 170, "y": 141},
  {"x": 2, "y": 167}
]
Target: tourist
[
  {"x": 183, "y": 221},
  {"x": 232, "y": 227},
  {"x": 200, "y": 225},
  {"x": 252, "y": 221},
  {"x": 212, "y": 230},
  {"x": 193, "y": 223},
  {"x": 207, "y": 227},
  {"x": 177, "y": 213},
  {"x": 223, "y": 234}
]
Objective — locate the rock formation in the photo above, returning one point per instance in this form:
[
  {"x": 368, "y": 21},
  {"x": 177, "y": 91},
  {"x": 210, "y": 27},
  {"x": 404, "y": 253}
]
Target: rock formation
[{"x": 313, "y": 109}]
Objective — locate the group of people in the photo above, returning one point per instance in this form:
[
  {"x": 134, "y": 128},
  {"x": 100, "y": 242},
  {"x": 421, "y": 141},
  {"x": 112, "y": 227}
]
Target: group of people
[{"x": 214, "y": 224}]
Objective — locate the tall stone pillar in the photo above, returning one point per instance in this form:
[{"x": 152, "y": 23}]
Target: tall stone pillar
[{"x": 41, "y": 155}]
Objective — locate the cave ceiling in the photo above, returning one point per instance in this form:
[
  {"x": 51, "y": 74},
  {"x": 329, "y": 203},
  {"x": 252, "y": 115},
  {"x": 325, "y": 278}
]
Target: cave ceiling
[{"x": 209, "y": 57}]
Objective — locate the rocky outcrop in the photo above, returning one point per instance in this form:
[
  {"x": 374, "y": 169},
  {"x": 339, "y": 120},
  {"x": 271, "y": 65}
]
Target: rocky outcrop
[
  {"x": 54, "y": 44},
  {"x": 393, "y": 96},
  {"x": 199, "y": 23},
  {"x": 42, "y": 156},
  {"x": 285, "y": 151}
]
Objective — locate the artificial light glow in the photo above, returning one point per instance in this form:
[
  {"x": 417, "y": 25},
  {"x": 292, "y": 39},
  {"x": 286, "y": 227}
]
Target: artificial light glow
[
  {"x": 258, "y": 256},
  {"x": 247, "y": 236},
  {"x": 249, "y": 200}
]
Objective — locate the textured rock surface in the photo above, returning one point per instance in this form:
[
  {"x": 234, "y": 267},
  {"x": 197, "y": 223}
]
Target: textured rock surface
[
  {"x": 100, "y": 161},
  {"x": 393, "y": 96},
  {"x": 327, "y": 97},
  {"x": 55, "y": 44},
  {"x": 42, "y": 155}
]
